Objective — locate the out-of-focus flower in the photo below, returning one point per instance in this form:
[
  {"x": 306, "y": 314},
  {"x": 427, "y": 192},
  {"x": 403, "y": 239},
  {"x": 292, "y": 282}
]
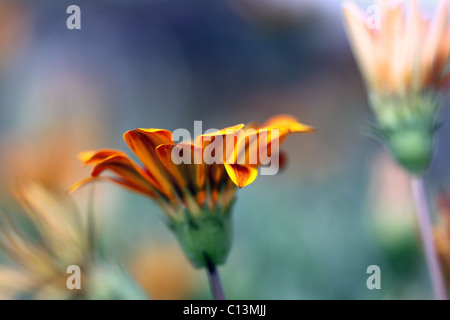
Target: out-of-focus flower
[
  {"x": 164, "y": 273},
  {"x": 403, "y": 63},
  {"x": 42, "y": 245},
  {"x": 197, "y": 194},
  {"x": 407, "y": 54},
  {"x": 442, "y": 234},
  {"x": 46, "y": 159},
  {"x": 42, "y": 263}
]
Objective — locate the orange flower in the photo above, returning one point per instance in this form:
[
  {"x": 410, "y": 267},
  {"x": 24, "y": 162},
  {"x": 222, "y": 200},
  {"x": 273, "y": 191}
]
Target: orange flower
[
  {"x": 196, "y": 183},
  {"x": 196, "y": 191},
  {"x": 407, "y": 53}
]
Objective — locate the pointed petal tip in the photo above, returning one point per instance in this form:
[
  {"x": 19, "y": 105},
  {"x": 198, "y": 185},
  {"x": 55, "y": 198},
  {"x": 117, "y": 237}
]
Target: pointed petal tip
[
  {"x": 85, "y": 156},
  {"x": 241, "y": 175}
]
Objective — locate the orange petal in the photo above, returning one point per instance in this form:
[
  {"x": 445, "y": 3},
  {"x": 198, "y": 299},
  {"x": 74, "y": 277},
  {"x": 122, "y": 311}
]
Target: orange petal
[
  {"x": 126, "y": 185},
  {"x": 241, "y": 175},
  {"x": 81, "y": 183},
  {"x": 126, "y": 171},
  {"x": 143, "y": 142},
  {"x": 435, "y": 35},
  {"x": 260, "y": 142},
  {"x": 184, "y": 173},
  {"x": 286, "y": 123},
  {"x": 92, "y": 157}
]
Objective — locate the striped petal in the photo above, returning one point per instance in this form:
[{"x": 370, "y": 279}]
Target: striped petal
[
  {"x": 126, "y": 173},
  {"x": 143, "y": 142},
  {"x": 241, "y": 175},
  {"x": 189, "y": 172}
]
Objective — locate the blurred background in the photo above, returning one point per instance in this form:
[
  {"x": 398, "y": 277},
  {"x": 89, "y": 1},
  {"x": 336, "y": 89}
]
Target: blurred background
[{"x": 309, "y": 232}]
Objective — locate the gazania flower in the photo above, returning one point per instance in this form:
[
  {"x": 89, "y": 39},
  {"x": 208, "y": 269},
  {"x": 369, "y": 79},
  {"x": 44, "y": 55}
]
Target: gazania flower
[
  {"x": 403, "y": 63},
  {"x": 196, "y": 191},
  {"x": 41, "y": 250},
  {"x": 403, "y": 60}
]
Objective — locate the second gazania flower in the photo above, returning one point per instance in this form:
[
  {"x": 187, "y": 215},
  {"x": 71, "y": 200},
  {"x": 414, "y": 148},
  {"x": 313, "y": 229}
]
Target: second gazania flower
[{"x": 194, "y": 183}]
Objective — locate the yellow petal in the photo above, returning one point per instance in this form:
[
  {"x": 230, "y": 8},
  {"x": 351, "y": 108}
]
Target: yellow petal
[
  {"x": 286, "y": 124},
  {"x": 241, "y": 175},
  {"x": 92, "y": 157}
]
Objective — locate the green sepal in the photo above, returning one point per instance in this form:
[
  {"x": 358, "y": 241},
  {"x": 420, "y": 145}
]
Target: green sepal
[
  {"x": 206, "y": 235},
  {"x": 407, "y": 125}
]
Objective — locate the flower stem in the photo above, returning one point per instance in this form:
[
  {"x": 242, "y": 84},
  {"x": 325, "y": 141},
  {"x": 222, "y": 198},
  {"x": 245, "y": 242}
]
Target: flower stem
[
  {"x": 214, "y": 281},
  {"x": 425, "y": 225}
]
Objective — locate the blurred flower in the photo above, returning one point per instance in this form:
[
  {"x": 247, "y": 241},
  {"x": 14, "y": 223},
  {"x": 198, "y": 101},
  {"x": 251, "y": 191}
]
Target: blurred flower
[
  {"x": 47, "y": 158},
  {"x": 164, "y": 273},
  {"x": 42, "y": 264},
  {"x": 442, "y": 234},
  {"x": 408, "y": 53},
  {"x": 403, "y": 64},
  {"x": 196, "y": 197},
  {"x": 53, "y": 238}
]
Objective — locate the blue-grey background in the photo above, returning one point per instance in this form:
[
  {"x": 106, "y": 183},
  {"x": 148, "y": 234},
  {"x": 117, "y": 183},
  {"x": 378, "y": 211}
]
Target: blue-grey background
[{"x": 309, "y": 232}]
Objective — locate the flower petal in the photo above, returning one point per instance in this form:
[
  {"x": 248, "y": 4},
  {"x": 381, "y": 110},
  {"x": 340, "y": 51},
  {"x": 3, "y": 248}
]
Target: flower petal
[
  {"x": 92, "y": 157},
  {"x": 361, "y": 41},
  {"x": 435, "y": 35},
  {"x": 189, "y": 173},
  {"x": 143, "y": 143},
  {"x": 287, "y": 124},
  {"x": 241, "y": 175},
  {"x": 126, "y": 171},
  {"x": 258, "y": 144},
  {"x": 117, "y": 181}
]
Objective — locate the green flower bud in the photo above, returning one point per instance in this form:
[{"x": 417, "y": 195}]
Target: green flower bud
[
  {"x": 413, "y": 149},
  {"x": 205, "y": 237},
  {"x": 407, "y": 125}
]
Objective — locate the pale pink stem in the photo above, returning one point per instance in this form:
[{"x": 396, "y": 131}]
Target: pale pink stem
[{"x": 426, "y": 231}]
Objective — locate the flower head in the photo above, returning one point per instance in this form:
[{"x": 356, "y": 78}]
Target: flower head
[
  {"x": 404, "y": 64},
  {"x": 408, "y": 53},
  {"x": 194, "y": 183}
]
